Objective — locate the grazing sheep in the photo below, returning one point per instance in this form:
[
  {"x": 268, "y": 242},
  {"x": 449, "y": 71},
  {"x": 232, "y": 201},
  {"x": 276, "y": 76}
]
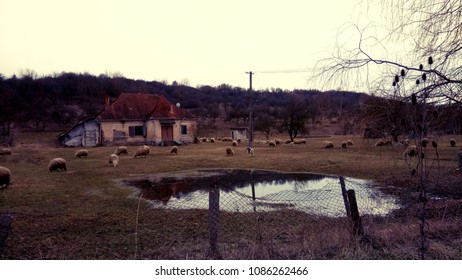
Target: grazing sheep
[
  {"x": 57, "y": 164},
  {"x": 234, "y": 143},
  {"x": 81, "y": 153},
  {"x": 425, "y": 142},
  {"x": 5, "y": 177},
  {"x": 121, "y": 150},
  {"x": 328, "y": 145},
  {"x": 250, "y": 151},
  {"x": 411, "y": 151},
  {"x": 212, "y": 140},
  {"x": 114, "y": 160},
  {"x": 452, "y": 142},
  {"x": 229, "y": 151},
  {"x": 272, "y": 143},
  {"x": 278, "y": 141},
  {"x": 350, "y": 142},
  {"x": 344, "y": 144},
  {"x": 226, "y": 139},
  {"x": 380, "y": 143},
  {"x": 174, "y": 150},
  {"x": 142, "y": 151},
  {"x": 5, "y": 151},
  {"x": 288, "y": 141}
]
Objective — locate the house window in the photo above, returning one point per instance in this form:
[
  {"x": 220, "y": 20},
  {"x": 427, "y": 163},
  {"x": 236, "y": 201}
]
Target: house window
[
  {"x": 136, "y": 130},
  {"x": 184, "y": 129}
]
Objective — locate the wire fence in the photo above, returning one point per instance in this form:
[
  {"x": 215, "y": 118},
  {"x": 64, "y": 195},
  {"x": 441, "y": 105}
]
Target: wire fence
[{"x": 293, "y": 217}]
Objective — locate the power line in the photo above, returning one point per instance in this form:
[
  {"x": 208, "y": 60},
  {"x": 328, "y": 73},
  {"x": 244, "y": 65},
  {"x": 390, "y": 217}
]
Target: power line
[{"x": 285, "y": 71}]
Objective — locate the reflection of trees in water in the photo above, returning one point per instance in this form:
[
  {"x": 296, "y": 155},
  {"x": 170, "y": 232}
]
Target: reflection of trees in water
[{"x": 303, "y": 191}]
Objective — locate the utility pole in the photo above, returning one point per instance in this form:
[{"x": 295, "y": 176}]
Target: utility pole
[{"x": 250, "y": 113}]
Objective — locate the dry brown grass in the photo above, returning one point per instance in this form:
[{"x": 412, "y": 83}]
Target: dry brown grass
[{"x": 85, "y": 214}]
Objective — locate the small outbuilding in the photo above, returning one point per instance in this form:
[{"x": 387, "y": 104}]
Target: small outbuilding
[{"x": 84, "y": 134}]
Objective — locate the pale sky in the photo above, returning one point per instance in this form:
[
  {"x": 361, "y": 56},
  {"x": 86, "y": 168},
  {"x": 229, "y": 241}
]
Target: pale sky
[{"x": 206, "y": 42}]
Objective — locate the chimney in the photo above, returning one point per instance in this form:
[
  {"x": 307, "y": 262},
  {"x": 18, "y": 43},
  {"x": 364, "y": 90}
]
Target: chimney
[{"x": 107, "y": 101}]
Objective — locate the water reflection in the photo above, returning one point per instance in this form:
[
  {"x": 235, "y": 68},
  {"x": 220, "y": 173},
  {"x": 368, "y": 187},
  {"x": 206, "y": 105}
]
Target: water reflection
[{"x": 246, "y": 191}]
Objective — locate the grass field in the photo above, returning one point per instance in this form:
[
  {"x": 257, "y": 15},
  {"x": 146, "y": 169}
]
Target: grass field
[{"x": 84, "y": 213}]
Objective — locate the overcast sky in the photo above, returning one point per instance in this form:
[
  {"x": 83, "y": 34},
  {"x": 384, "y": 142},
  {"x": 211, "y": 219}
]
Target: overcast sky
[{"x": 204, "y": 42}]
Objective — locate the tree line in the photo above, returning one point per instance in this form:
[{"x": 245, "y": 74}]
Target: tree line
[{"x": 59, "y": 101}]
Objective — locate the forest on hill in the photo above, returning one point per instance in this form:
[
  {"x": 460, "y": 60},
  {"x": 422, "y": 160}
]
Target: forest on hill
[{"x": 59, "y": 101}]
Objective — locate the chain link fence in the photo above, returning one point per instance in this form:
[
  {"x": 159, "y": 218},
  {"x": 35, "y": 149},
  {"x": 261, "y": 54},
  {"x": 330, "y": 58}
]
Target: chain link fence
[{"x": 210, "y": 215}]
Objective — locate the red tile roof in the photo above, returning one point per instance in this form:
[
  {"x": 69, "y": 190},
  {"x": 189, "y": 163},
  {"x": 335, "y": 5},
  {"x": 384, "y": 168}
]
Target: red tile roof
[{"x": 139, "y": 106}]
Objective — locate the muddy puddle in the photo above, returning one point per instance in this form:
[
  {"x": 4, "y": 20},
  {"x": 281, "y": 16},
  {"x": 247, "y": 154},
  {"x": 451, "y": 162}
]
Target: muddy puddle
[{"x": 242, "y": 190}]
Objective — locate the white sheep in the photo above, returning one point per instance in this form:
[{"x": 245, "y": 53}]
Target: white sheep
[
  {"x": 350, "y": 142},
  {"x": 344, "y": 144},
  {"x": 57, "y": 164},
  {"x": 272, "y": 143},
  {"x": 229, "y": 151},
  {"x": 5, "y": 177},
  {"x": 328, "y": 145},
  {"x": 81, "y": 153},
  {"x": 5, "y": 151},
  {"x": 142, "y": 151},
  {"x": 410, "y": 151},
  {"x": 250, "y": 151},
  {"x": 114, "y": 160},
  {"x": 174, "y": 150},
  {"x": 121, "y": 150}
]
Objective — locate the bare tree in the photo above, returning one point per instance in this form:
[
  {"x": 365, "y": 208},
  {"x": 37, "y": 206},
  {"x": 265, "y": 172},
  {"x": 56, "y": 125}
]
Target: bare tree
[
  {"x": 413, "y": 55},
  {"x": 409, "y": 33}
]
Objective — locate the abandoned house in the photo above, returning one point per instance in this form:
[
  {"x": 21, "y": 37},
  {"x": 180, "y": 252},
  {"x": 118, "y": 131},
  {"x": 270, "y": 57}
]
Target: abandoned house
[{"x": 136, "y": 118}]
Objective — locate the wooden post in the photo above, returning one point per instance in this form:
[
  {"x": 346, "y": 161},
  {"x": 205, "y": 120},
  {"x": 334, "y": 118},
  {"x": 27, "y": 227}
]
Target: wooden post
[
  {"x": 459, "y": 160},
  {"x": 357, "y": 225},
  {"x": 345, "y": 196},
  {"x": 214, "y": 221}
]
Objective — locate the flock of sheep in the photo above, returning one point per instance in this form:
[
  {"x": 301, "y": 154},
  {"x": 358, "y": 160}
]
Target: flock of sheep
[{"x": 59, "y": 164}]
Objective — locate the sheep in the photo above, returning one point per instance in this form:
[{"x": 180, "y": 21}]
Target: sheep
[
  {"x": 425, "y": 141},
  {"x": 226, "y": 139},
  {"x": 57, "y": 164},
  {"x": 350, "y": 142},
  {"x": 411, "y": 151},
  {"x": 234, "y": 143},
  {"x": 328, "y": 145},
  {"x": 452, "y": 142},
  {"x": 121, "y": 150},
  {"x": 250, "y": 151},
  {"x": 212, "y": 140},
  {"x": 272, "y": 143},
  {"x": 5, "y": 151},
  {"x": 344, "y": 144},
  {"x": 229, "y": 151},
  {"x": 174, "y": 150},
  {"x": 142, "y": 151},
  {"x": 5, "y": 177},
  {"x": 380, "y": 143},
  {"x": 278, "y": 141},
  {"x": 81, "y": 153},
  {"x": 114, "y": 160}
]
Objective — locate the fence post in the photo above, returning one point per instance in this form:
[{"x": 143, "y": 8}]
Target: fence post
[
  {"x": 459, "y": 160},
  {"x": 357, "y": 225},
  {"x": 345, "y": 196},
  {"x": 214, "y": 222}
]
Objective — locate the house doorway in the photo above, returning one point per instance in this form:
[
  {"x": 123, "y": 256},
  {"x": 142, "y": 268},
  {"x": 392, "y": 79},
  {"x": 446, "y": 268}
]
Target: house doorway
[{"x": 167, "y": 133}]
